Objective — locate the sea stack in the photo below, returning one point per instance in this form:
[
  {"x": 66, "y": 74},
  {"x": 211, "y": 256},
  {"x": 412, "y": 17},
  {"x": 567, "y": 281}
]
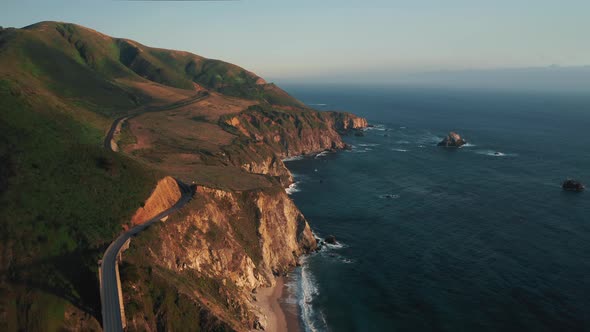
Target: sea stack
[
  {"x": 572, "y": 185},
  {"x": 330, "y": 239},
  {"x": 453, "y": 140}
]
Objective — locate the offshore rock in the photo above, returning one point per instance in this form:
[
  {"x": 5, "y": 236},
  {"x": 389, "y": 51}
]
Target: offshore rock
[
  {"x": 572, "y": 185},
  {"x": 453, "y": 140}
]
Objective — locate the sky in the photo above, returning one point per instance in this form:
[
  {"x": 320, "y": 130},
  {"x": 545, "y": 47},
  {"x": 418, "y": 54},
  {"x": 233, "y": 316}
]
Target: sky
[{"x": 339, "y": 39}]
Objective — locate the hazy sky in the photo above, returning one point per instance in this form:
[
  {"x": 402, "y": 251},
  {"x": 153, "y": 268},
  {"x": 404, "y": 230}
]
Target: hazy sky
[{"x": 280, "y": 39}]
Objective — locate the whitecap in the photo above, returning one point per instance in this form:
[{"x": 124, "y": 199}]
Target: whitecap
[
  {"x": 389, "y": 196},
  {"x": 493, "y": 153},
  {"x": 399, "y": 150},
  {"x": 468, "y": 145},
  {"x": 402, "y": 142},
  {"x": 368, "y": 144}
]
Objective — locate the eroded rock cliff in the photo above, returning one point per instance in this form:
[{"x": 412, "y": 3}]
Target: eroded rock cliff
[
  {"x": 223, "y": 246},
  {"x": 268, "y": 135},
  {"x": 163, "y": 197}
]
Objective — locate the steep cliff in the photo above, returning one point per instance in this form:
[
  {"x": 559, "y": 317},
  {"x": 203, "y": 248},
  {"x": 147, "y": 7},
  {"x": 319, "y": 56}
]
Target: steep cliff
[
  {"x": 269, "y": 134},
  {"x": 223, "y": 246}
]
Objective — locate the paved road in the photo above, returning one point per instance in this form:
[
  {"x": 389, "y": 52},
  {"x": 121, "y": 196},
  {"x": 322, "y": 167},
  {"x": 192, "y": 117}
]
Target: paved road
[
  {"x": 184, "y": 102},
  {"x": 109, "y": 292}
]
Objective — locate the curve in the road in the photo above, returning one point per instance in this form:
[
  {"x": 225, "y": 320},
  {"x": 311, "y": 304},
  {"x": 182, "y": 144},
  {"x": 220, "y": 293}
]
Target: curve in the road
[
  {"x": 110, "y": 286},
  {"x": 109, "y": 136},
  {"x": 110, "y": 290}
]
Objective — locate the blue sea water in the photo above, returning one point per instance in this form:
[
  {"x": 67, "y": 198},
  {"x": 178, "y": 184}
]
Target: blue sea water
[{"x": 435, "y": 239}]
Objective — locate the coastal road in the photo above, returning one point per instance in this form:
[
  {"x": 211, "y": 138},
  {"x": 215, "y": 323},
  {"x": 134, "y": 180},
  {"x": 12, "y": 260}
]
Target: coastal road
[
  {"x": 112, "y": 320},
  {"x": 109, "y": 137},
  {"x": 110, "y": 287}
]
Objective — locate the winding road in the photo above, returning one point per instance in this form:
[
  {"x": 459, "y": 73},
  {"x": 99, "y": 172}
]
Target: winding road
[
  {"x": 109, "y": 136},
  {"x": 110, "y": 291},
  {"x": 110, "y": 284}
]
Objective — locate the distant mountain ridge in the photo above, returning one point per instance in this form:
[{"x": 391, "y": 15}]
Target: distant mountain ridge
[{"x": 77, "y": 59}]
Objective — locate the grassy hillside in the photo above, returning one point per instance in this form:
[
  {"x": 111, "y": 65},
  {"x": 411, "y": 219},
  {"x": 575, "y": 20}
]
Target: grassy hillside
[
  {"x": 63, "y": 198},
  {"x": 107, "y": 65}
]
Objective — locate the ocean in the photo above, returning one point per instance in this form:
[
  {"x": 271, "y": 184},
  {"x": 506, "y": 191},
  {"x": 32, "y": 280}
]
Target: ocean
[{"x": 480, "y": 238}]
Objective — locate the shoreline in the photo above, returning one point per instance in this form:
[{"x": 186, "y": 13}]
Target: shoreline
[{"x": 279, "y": 318}]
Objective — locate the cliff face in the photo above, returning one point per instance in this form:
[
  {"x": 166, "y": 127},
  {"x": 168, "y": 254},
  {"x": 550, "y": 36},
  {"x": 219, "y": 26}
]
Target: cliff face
[
  {"x": 270, "y": 134},
  {"x": 224, "y": 245},
  {"x": 343, "y": 121},
  {"x": 164, "y": 196}
]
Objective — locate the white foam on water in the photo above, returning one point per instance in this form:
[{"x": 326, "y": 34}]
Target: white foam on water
[
  {"x": 493, "y": 153},
  {"x": 292, "y": 189},
  {"x": 293, "y": 158},
  {"x": 378, "y": 127},
  {"x": 399, "y": 150},
  {"x": 468, "y": 145},
  {"x": 321, "y": 154},
  {"x": 309, "y": 291},
  {"x": 335, "y": 246},
  {"x": 368, "y": 144},
  {"x": 359, "y": 149},
  {"x": 403, "y": 142},
  {"x": 429, "y": 139}
]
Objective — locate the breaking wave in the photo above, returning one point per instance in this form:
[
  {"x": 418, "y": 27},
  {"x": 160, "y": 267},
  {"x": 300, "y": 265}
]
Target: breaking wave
[
  {"x": 293, "y": 188},
  {"x": 293, "y": 158},
  {"x": 379, "y": 127},
  {"x": 312, "y": 320},
  {"x": 321, "y": 154}
]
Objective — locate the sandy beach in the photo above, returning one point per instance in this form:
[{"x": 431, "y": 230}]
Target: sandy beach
[{"x": 279, "y": 319}]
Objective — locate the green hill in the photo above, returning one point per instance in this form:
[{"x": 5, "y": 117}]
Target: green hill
[{"x": 82, "y": 64}]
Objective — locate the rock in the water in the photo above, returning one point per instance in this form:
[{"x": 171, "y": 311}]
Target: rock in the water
[
  {"x": 331, "y": 239},
  {"x": 572, "y": 185},
  {"x": 452, "y": 140}
]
